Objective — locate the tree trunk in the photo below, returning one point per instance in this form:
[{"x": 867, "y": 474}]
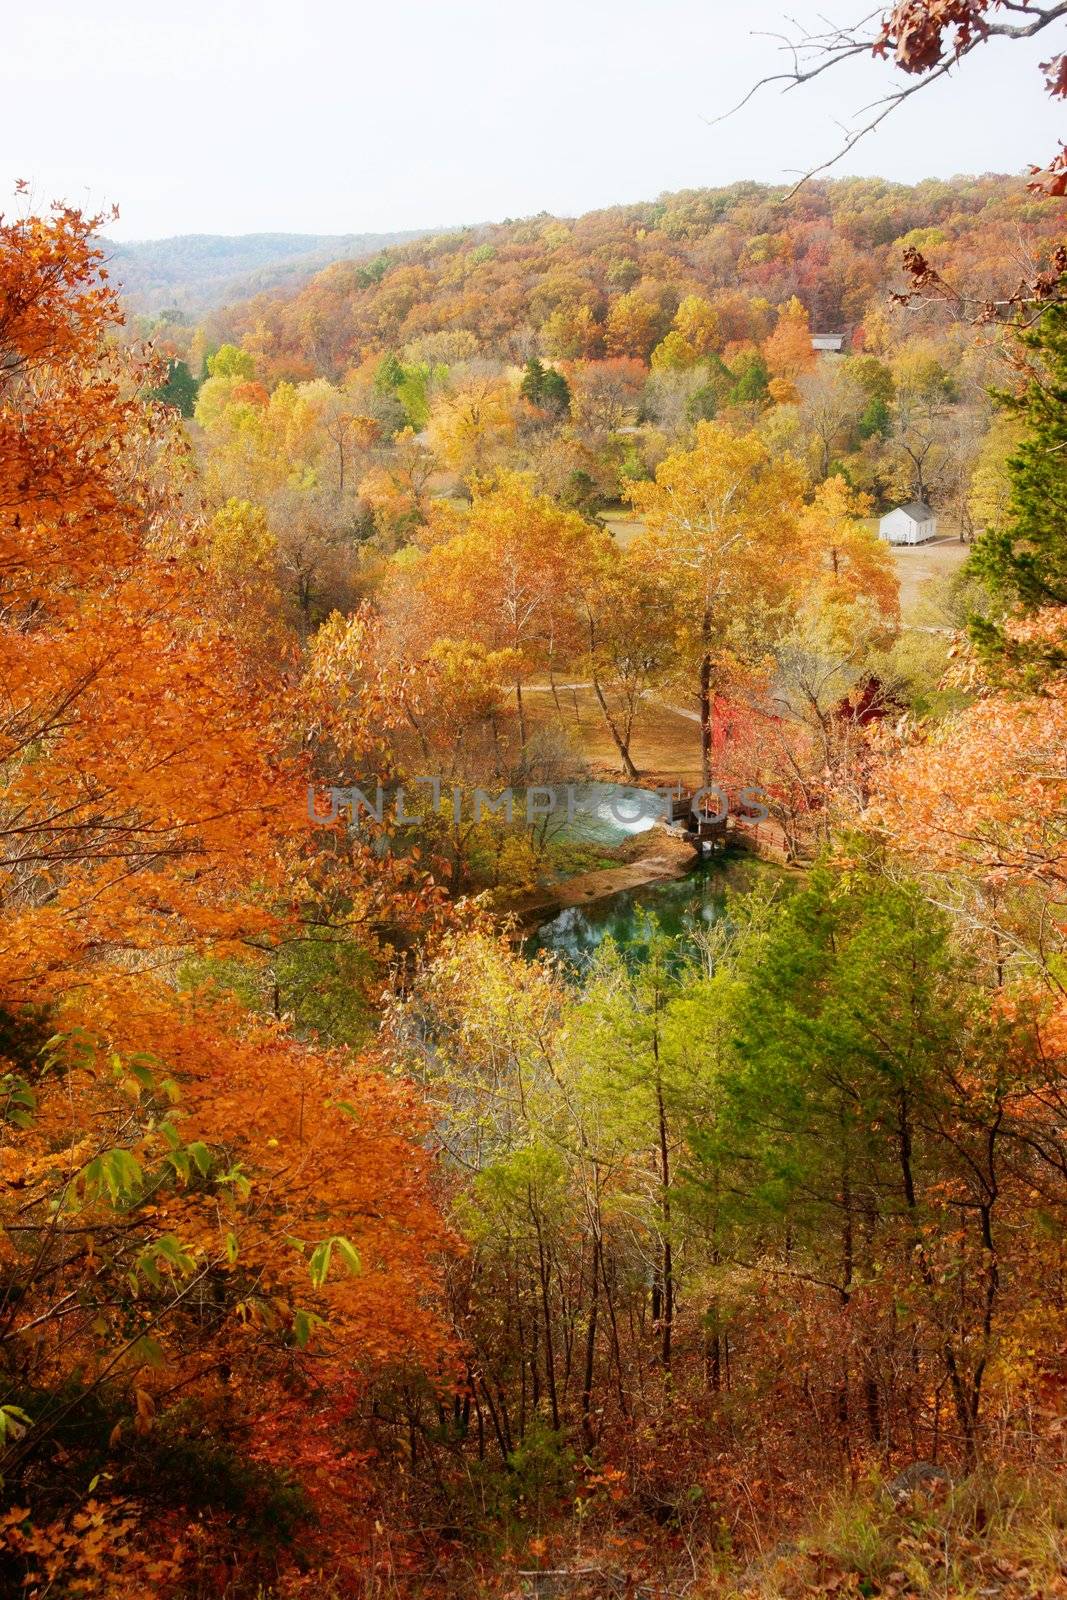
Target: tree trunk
[
  {"x": 588, "y": 1437},
  {"x": 667, "y": 1320},
  {"x": 622, "y": 745},
  {"x": 521, "y": 710},
  {"x": 546, "y": 1307},
  {"x": 705, "y": 703},
  {"x": 966, "y": 1412}
]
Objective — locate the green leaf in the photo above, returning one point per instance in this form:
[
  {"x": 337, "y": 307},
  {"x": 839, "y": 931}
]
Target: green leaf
[
  {"x": 146, "y": 1352},
  {"x": 304, "y": 1324},
  {"x": 13, "y": 1422},
  {"x": 173, "y": 1252},
  {"x": 319, "y": 1265},
  {"x": 202, "y": 1157},
  {"x": 122, "y": 1174},
  {"x": 150, "y": 1271},
  {"x": 349, "y": 1255},
  {"x": 236, "y": 1180},
  {"x": 231, "y": 1248},
  {"x": 19, "y": 1102},
  {"x": 179, "y": 1160}
]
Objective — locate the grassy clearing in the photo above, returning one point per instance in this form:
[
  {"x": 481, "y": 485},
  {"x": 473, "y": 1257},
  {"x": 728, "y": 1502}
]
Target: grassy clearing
[
  {"x": 623, "y": 524},
  {"x": 920, "y": 568},
  {"x": 665, "y": 746}
]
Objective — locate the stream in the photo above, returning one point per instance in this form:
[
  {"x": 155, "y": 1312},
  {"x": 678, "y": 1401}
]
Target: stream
[
  {"x": 681, "y": 906},
  {"x": 607, "y": 814}
]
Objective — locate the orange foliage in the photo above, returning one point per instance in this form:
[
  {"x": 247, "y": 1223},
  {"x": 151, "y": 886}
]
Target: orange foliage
[
  {"x": 612, "y": 282},
  {"x": 855, "y": 567},
  {"x": 124, "y": 745},
  {"x": 174, "y": 1171},
  {"x": 788, "y": 351},
  {"x": 986, "y": 794}
]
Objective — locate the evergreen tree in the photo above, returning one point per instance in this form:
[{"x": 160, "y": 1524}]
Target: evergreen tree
[
  {"x": 532, "y": 378},
  {"x": 545, "y": 388},
  {"x": 702, "y": 405},
  {"x": 555, "y": 393},
  {"x": 180, "y": 389},
  {"x": 752, "y": 379},
  {"x": 1024, "y": 562},
  {"x": 388, "y": 375},
  {"x": 862, "y": 1103},
  {"x": 875, "y": 419}
]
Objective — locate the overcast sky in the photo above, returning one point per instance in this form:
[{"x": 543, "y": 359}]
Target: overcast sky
[{"x": 339, "y": 116}]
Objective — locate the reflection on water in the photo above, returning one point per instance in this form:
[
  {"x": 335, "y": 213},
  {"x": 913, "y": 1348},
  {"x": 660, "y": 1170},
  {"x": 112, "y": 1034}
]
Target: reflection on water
[{"x": 680, "y": 906}]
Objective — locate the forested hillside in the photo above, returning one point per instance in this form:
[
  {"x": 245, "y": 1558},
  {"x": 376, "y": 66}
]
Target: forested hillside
[
  {"x": 609, "y": 283},
  {"x": 195, "y": 271},
  {"x": 582, "y": 354}
]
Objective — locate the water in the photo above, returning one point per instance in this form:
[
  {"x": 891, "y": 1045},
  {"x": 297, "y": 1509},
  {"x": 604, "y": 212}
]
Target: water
[
  {"x": 607, "y": 813},
  {"x": 681, "y": 906}
]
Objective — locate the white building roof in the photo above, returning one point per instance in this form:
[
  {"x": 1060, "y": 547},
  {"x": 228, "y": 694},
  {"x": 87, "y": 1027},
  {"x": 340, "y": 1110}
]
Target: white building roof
[{"x": 915, "y": 509}]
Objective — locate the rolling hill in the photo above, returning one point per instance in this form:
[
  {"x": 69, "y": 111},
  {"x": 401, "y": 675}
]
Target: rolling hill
[{"x": 197, "y": 271}]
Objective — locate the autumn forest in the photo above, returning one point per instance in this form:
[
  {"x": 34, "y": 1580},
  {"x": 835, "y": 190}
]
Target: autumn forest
[{"x": 533, "y": 1041}]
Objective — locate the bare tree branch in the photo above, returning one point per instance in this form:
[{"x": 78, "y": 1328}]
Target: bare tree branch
[{"x": 927, "y": 38}]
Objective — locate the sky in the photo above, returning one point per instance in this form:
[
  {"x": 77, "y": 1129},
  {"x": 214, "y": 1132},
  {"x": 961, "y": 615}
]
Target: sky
[{"x": 342, "y": 116}]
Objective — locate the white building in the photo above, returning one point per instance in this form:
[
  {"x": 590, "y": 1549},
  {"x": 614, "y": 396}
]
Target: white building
[
  {"x": 828, "y": 343},
  {"x": 914, "y": 523}
]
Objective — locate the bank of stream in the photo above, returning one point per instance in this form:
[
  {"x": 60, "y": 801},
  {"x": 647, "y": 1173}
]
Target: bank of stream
[{"x": 652, "y": 870}]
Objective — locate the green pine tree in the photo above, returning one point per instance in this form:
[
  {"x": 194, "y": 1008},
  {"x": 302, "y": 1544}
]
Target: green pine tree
[
  {"x": 179, "y": 390},
  {"x": 533, "y": 378},
  {"x": 752, "y": 380},
  {"x": 545, "y": 388},
  {"x": 555, "y": 393},
  {"x": 1024, "y": 562},
  {"x": 875, "y": 419},
  {"x": 388, "y": 375}
]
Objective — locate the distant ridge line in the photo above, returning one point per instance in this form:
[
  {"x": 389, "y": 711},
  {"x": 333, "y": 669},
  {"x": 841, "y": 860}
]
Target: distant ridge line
[{"x": 197, "y": 272}]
